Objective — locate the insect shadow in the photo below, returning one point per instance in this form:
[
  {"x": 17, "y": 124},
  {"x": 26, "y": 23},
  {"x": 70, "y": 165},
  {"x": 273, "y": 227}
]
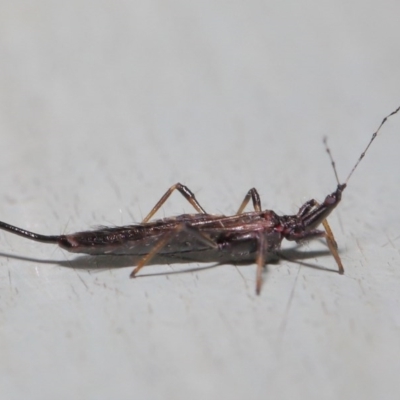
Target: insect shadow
[{"x": 89, "y": 263}]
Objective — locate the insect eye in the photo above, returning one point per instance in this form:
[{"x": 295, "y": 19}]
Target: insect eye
[{"x": 330, "y": 199}]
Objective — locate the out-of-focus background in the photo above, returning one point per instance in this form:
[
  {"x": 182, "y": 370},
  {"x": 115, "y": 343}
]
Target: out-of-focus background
[{"x": 104, "y": 105}]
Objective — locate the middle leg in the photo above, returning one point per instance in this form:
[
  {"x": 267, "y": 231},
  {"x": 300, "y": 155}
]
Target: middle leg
[
  {"x": 255, "y": 197},
  {"x": 184, "y": 191}
]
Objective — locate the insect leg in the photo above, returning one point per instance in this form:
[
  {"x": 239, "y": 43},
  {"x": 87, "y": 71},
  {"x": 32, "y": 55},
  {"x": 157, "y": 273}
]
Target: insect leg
[
  {"x": 255, "y": 197},
  {"x": 260, "y": 262},
  {"x": 307, "y": 207},
  {"x": 332, "y": 245},
  {"x": 330, "y": 241},
  {"x": 186, "y": 193},
  {"x": 166, "y": 238}
]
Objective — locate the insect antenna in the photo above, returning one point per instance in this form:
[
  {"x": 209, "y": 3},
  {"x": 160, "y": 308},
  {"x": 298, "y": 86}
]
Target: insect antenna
[
  {"x": 328, "y": 150},
  {"x": 374, "y": 135}
]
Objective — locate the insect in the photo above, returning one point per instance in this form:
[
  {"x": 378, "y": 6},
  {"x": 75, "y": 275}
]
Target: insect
[{"x": 245, "y": 236}]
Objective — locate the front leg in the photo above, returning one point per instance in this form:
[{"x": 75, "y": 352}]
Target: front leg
[
  {"x": 330, "y": 240},
  {"x": 305, "y": 211},
  {"x": 333, "y": 247},
  {"x": 306, "y": 208}
]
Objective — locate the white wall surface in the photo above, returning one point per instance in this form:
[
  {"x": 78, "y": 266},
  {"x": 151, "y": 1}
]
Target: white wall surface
[{"x": 104, "y": 105}]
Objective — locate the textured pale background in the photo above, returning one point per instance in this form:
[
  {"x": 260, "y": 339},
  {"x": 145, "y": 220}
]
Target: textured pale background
[{"x": 103, "y": 105}]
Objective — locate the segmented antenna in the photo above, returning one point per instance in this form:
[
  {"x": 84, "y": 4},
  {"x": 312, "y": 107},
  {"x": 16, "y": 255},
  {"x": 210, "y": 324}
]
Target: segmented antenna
[
  {"x": 374, "y": 135},
  {"x": 331, "y": 158}
]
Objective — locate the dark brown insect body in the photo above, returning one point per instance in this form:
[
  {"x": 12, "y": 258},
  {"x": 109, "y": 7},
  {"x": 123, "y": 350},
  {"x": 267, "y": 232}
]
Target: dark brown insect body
[
  {"x": 221, "y": 233},
  {"x": 252, "y": 236}
]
